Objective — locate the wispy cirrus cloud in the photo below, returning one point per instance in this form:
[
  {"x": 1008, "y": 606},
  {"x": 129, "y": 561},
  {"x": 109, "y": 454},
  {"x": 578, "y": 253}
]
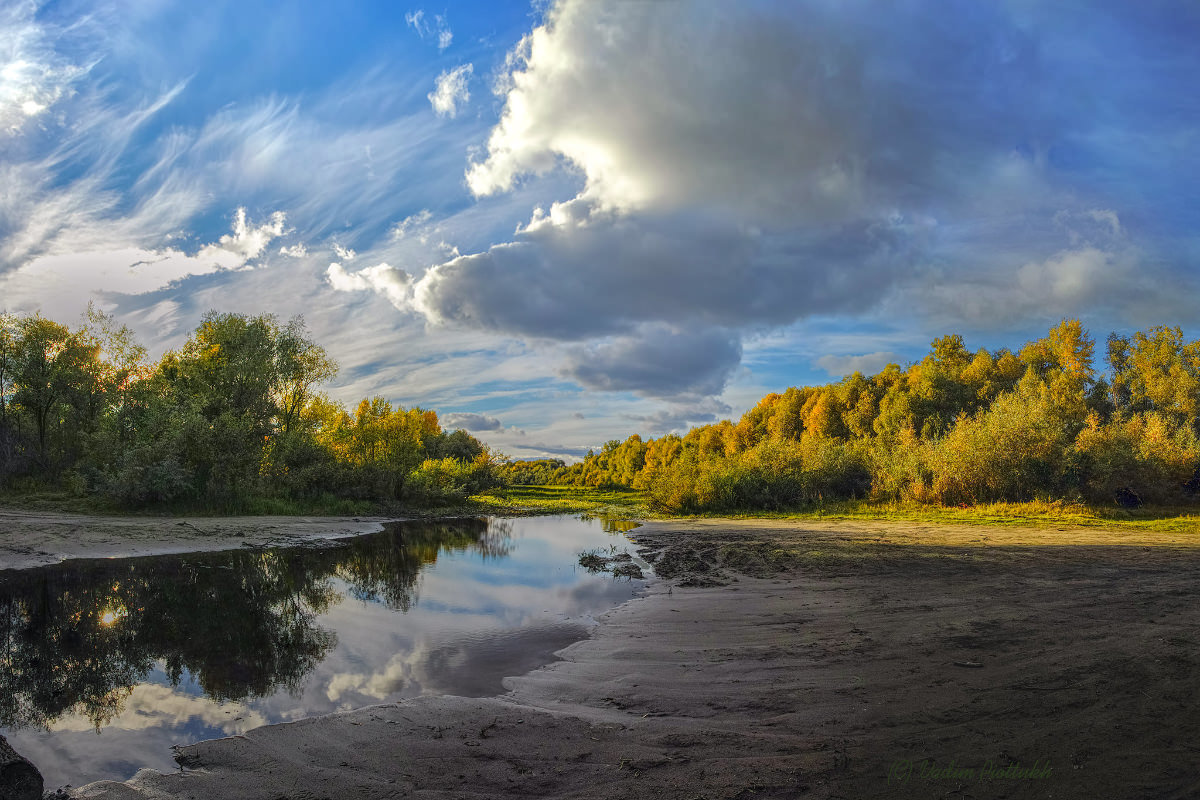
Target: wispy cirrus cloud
[
  {"x": 427, "y": 26},
  {"x": 33, "y": 75},
  {"x": 62, "y": 283}
]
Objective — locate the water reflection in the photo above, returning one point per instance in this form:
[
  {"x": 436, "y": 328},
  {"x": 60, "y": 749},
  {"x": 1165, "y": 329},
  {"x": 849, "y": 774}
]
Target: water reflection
[
  {"x": 173, "y": 648},
  {"x": 242, "y": 623},
  {"x": 612, "y": 524}
]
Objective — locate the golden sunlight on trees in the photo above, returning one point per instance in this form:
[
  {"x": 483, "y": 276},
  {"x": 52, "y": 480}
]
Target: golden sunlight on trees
[{"x": 956, "y": 427}]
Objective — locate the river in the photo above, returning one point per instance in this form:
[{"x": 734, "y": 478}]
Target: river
[{"x": 107, "y": 663}]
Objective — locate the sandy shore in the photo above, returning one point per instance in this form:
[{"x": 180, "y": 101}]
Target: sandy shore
[
  {"x": 33, "y": 539},
  {"x": 790, "y": 660}
]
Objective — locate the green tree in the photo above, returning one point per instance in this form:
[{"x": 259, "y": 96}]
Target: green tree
[
  {"x": 55, "y": 374},
  {"x": 301, "y": 365}
]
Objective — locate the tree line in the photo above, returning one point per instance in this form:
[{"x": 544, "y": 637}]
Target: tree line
[
  {"x": 231, "y": 418},
  {"x": 956, "y": 427}
]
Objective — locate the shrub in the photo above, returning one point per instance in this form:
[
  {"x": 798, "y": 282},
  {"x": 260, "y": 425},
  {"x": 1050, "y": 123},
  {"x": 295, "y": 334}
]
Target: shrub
[
  {"x": 449, "y": 481},
  {"x": 438, "y": 482},
  {"x": 900, "y": 467},
  {"x": 1015, "y": 450},
  {"x": 772, "y": 475},
  {"x": 1147, "y": 454}
]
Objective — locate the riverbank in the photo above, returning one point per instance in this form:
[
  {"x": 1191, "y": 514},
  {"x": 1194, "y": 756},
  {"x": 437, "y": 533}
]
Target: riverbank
[
  {"x": 787, "y": 660},
  {"x": 1059, "y": 514},
  {"x": 35, "y": 538}
]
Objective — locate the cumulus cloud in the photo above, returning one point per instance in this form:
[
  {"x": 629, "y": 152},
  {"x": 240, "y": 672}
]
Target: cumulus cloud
[
  {"x": 658, "y": 361},
  {"x": 723, "y": 193},
  {"x": 392, "y": 283},
  {"x": 471, "y": 422},
  {"x": 748, "y": 165},
  {"x": 150, "y": 705},
  {"x": 451, "y": 90},
  {"x": 1093, "y": 268},
  {"x": 567, "y": 278},
  {"x": 246, "y": 242},
  {"x": 867, "y": 363},
  {"x": 679, "y": 417},
  {"x": 761, "y": 114}
]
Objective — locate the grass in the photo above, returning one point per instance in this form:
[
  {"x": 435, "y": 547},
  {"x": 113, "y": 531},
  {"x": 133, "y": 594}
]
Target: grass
[
  {"x": 630, "y": 504},
  {"x": 511, "y": 500},
  {"x": 1037, "y": 514},
  {"x": 36, "y": 499},
  {"x": 55, "y": 500},
  {"x": 627, "y": 504}
]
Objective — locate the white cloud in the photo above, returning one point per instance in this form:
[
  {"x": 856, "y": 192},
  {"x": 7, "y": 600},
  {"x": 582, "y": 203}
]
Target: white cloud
[
  {"x": 62, "y": 283},
  {"x": 867, "y": 363},
  {"x": 451, "y": 90},
  {"x": 679, "y": 417},
  {"x": 439, "y": 28},
  {"x": 417, "y": 224},
  {"x": 245, "y": 243},
  {"x": 721, "y": 182},
  {"x": 392, "y": 283},
  {"x": 660, "y": 110},
  {"x": 471, "y": 422},
  {"x": 351, "y": 173},
  {"x": 151, "y": 705},
  {"x": 344, "y": 253},
  {"x": 33, "y": 77},
  {"x": 295, "y": 251},
  {"x": 416, "y": 21},
  {"x": 1098, "y": 271}
]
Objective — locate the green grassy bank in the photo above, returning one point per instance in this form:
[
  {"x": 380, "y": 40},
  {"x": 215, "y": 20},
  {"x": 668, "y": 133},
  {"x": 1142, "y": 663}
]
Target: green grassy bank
[{"x": 628, "y": 503}]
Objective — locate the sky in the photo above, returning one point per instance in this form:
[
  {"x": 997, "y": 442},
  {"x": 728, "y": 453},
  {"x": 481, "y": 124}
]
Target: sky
[{"x": 564, "y": 222}]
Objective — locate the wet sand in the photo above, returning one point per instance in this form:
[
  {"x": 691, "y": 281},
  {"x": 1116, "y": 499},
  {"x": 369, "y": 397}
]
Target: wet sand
[
  {"x": 34, "y": 539},
  {"x": 793, "y": 660}
]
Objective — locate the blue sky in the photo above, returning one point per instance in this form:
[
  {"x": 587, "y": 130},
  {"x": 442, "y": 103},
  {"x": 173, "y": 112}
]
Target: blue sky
[{"x": 564, "y": 222}]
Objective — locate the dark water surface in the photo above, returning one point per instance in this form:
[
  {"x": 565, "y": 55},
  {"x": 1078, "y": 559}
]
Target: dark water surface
[{"x": 106, "y": 663}]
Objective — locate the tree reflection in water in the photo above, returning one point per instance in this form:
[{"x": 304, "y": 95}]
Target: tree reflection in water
[{"x": 77, "y": 637}]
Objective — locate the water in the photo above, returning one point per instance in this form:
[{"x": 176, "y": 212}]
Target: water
[{"x": 105, "y": 664}]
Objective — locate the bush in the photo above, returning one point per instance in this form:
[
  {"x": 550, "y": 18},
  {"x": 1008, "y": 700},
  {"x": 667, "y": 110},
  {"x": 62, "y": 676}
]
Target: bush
[
  {"x": 674, "y": 488},
  {"x": 449, "y": 481},
  {"x": 900, "y": 467},
  {"x": 1016, "y": 450},
  {"x": 438, "y": 482},
  {"x": 772, "y": 475},
  {"x": 1149, "y": 455},
  {"x": 144, "y": 478}
]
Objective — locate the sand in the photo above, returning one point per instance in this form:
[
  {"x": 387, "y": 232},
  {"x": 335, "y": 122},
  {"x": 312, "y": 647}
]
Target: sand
[
  {"x": 794, "y": 660},
  {"x": 33, "y": 539}
]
